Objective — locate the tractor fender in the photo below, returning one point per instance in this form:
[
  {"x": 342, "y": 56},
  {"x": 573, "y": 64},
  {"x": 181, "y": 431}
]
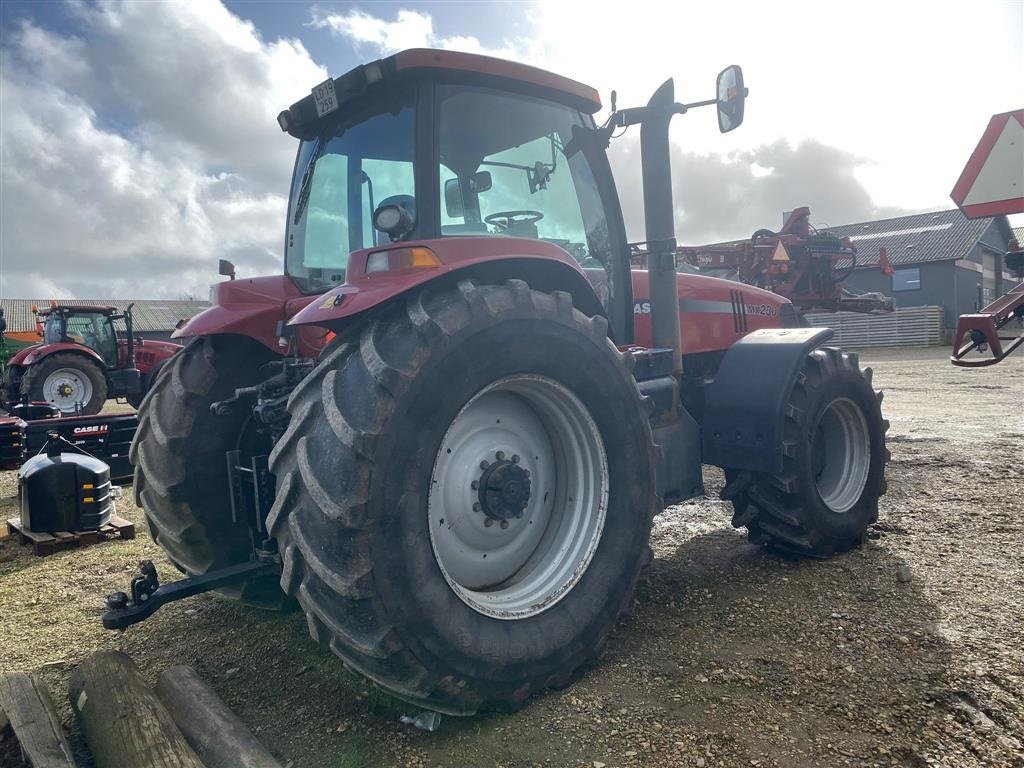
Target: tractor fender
[
  {"x": 250, "y": 307},
  {"x": 542, "y": 265},
  {"x": 745, "y": 404},
  {"x": 37, "y": 352}
]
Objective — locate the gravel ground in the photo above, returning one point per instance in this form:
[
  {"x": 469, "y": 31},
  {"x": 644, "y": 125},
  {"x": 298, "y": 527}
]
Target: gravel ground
[{"x": 906, "y": 652}]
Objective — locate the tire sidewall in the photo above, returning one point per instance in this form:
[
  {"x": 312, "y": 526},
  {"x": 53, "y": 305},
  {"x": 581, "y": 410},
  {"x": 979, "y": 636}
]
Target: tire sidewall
[
  {"x": 409, "y": 580},
  {"x": 851, "y": 384}
]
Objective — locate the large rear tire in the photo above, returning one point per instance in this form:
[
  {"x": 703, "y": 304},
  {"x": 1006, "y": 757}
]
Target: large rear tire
[
  {"x": 834, "y": 458},
  {"x": 472, "y": 422},
  {"x": 179, "y": 451},
  {"x": 64, "y": 379}
]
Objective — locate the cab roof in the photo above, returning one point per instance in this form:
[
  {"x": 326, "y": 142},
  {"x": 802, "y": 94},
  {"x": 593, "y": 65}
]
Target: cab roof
[
  {"x": 70, "y": 309},
  {"x": 302, "y": 120},
  {"x": 488, "y": 66}
]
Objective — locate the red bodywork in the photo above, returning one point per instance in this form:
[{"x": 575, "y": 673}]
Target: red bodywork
[
  {"x": 147, "y": 353},
  {"x": 37, "y": 352},
  {"x": 253, "y": 307},
  {"x": 715, "y": 313}
]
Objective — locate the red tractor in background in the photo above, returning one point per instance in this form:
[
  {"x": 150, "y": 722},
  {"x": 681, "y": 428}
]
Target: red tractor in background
[
  {"x": 82, "y": 360},
  {"x": 446, "y": 428}
]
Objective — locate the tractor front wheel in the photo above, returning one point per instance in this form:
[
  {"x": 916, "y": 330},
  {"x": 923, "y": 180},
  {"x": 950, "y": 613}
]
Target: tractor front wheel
[
  {"x": 465, "y": 495},
  {"x": 181, "y": 478},
  {"x": 834, "y": 458},
  {"x": 64, "y": 380}
]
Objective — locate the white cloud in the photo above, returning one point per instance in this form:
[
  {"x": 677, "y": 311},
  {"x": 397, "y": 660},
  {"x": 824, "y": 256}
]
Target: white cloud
[
  {"x": 409, "y": 29},
  {"x": 202, "y": 174},
  {"x": 142, "y": 146},
  {"x": 724, "y": 187}
]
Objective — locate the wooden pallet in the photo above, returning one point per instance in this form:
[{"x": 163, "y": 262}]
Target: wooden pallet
[{"x": 47, "y": 543}]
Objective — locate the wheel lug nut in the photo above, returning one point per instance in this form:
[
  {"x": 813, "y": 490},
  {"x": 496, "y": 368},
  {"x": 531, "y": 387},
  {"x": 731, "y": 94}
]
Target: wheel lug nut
[
  {"x": 515, "y": 458},
  {"x": 476, "y": 506},
  {"x": 475, "y": 485},
  {"x": 504, "y": 524},
  {"x": 484, "y": 464},
  {"x": 500, "y": 455},
  {"x": 488, "y": 522}
]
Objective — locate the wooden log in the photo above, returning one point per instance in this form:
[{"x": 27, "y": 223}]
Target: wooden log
[
  {"x": 26, "y": 704},
  {"x": 122, "y": 719},
  {"x": 216, "y": 734}
]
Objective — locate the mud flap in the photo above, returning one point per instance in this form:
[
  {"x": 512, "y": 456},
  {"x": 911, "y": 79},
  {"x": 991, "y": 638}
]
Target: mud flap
[{"x": 744, "y": 408}]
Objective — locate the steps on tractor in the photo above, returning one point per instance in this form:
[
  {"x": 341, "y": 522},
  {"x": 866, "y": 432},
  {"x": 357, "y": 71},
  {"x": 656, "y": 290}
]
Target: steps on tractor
[{"x": 48, "y": 543}]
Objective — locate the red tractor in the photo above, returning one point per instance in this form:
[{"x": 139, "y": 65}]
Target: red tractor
[
  {"x": 82, "y": 360},
  {"x": 446, "y": 428}
]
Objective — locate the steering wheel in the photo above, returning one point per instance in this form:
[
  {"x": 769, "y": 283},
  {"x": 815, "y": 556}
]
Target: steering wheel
[{"x": 505, "y": 219}]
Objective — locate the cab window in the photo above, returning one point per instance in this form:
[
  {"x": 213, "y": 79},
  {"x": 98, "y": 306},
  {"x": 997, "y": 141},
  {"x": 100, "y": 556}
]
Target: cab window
[
  {"x": 505, "y": 171},
  {"x": 339, "y": 179}
]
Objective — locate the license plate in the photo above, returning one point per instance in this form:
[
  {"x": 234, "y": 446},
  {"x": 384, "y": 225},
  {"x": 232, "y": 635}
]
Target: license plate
[{"x": 324, "y": 98}]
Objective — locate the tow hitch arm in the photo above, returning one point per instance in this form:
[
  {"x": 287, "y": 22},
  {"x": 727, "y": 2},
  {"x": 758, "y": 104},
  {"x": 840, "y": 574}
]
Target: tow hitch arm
[{"x": 148, "y": 594}]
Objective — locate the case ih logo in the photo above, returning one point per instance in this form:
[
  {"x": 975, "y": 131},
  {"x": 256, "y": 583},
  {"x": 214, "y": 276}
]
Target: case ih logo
[{"x": 98, "y": 429}]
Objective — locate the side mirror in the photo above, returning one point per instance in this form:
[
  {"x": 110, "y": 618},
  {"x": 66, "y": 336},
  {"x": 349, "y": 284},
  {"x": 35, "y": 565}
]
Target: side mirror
[
  {"x": 731, "y": 97},
  {"x": 226, "y": 268},
  {"x": 480, "y": 181},
  {"x": 453, "y": 207}
]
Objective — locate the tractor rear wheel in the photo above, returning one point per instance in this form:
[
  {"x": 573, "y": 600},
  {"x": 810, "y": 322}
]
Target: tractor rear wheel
[
  {"x": 465, "y": 495},
  {"x": 834, "y": 458},
  {"x": 181, "y": 479},
  {"x": 65, "y": 379}
]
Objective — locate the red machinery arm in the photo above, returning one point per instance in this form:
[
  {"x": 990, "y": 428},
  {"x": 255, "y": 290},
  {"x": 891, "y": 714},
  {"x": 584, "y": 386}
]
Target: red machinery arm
[{"x": 981, "y": 331}]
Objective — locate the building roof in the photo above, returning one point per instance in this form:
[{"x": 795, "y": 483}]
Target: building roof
[
  {"x": 1018, "y": 235},
  {"x": 922, "y": 237},
  {"x": 149, "y": 315}
]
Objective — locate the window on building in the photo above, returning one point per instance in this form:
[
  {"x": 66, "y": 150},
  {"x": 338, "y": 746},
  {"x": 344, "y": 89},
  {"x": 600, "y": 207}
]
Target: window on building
[{"x": 906, "y": 279}]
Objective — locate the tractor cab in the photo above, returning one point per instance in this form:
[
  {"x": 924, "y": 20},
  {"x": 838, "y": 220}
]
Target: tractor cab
[
  {"x": 430, "y": 146},
  {"x": 89, "y": 326},
  {"x": 415, "y": 149}
]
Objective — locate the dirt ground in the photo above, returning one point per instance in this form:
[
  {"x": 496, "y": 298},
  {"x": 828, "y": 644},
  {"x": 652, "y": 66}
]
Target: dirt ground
[{"x": 906, "y": 652}]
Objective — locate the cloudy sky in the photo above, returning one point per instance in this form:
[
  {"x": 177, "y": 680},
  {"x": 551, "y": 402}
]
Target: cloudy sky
[{"x": 138, "y": 141}]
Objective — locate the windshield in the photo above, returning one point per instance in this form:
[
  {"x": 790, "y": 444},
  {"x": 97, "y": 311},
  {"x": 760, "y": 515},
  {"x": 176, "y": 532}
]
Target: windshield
[
  {"x": 505, "y": 170},
  {"x": 91, "y": 330},
  {"x": 339, "y": 180}
]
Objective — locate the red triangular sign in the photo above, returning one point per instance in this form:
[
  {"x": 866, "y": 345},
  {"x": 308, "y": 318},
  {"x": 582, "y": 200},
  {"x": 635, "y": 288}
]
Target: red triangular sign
[{"x": 992, "y": 182}]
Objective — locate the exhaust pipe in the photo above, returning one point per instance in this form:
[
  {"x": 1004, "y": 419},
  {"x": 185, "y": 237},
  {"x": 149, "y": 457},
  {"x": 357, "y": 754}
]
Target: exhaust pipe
[{"x": 659, "y": 222}]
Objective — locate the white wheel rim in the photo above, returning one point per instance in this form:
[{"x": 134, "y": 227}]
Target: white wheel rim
[
  {"x": 531, "y": 428},
  {"x": 67, "y": 386},
  {"x": 841, "y": 454}
]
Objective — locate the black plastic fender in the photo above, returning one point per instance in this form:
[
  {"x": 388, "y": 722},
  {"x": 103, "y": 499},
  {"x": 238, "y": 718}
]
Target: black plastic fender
[{"x": 745, "y": 403}]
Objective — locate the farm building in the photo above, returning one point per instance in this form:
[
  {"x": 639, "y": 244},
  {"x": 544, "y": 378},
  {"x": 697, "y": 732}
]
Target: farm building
[{"x": 940, "y": 259}]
